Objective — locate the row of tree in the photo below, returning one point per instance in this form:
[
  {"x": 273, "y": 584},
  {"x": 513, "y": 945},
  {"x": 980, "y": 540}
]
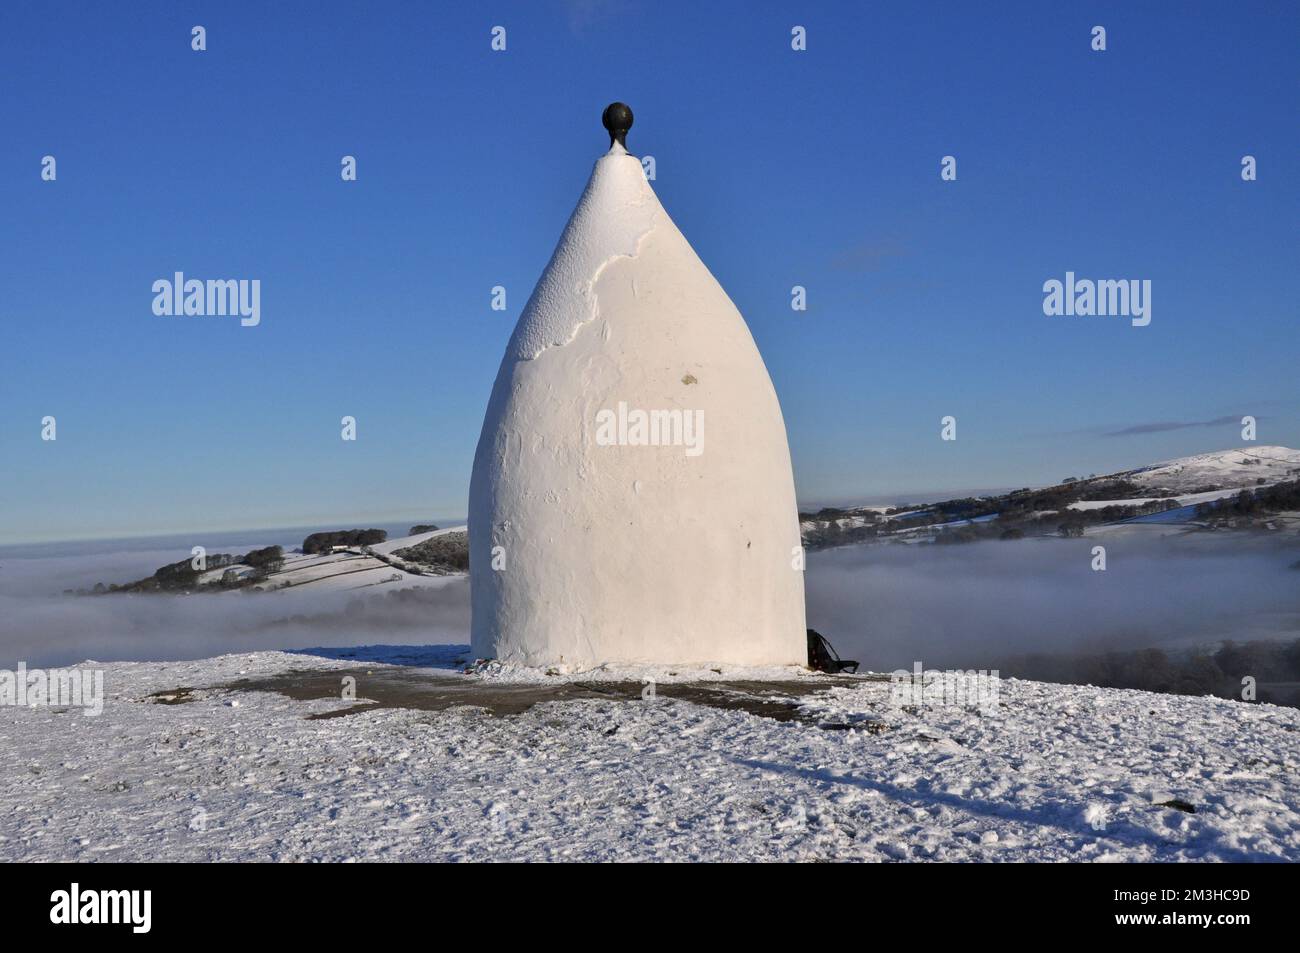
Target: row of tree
[
  {"x": 267, "y": 560},
  {"x": 324, "y": 542},
  {"x": 182, "y": 576},
  {"x": 1271, "y": 499}
]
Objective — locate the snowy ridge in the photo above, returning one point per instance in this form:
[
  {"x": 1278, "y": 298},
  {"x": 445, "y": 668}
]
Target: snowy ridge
[
  {"x": 1239, "y": 468},
  {"x": 1191, "y": 480},
  {"x": 390, "y": 546},
  {"x": 361, "y": 567},
  {"x": 1186, "y": 479}
]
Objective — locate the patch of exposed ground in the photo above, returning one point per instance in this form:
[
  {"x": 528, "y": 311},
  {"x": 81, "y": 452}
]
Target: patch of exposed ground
[{"x": 421, "y": 690}]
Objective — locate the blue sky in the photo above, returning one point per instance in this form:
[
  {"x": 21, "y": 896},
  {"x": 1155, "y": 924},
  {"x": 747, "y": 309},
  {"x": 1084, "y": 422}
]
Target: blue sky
[{"x": 818, "y": 168}]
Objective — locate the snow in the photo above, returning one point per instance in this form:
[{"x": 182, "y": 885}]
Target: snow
[
  {"x": 346, "y": 570},
  {"x": 907, "y": 514},
  {"x": 1138, "y": 531},
  {"x": 1225, "y": 467},
  {"x": 1232, "y": 470},
  {"x": 211, "y": 576},
  {"x": 388, "y": 547},
  {"x": 988, "y": 518},
  {"x": 1054, "y": 773},
  {"x": 1184, "y": 499},
  {"x": 334, "y": 572}
]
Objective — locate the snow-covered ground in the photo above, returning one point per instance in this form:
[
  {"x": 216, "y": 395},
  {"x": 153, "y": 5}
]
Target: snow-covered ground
[
  {"x": 346, "y": 570},
  {"x": 388, "y": 547},
  {"x": 1053, "y": 773},
  {"x": 1231, "y": 470},
  {"x": 1240, "y": 468},
  {"x": 1184, "y": 499}
]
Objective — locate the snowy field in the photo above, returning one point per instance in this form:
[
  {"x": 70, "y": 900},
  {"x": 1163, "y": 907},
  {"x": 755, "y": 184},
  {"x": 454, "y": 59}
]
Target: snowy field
[
  {"x": 1241, "y": 468},
  {"x": 1053, "y": 773}
]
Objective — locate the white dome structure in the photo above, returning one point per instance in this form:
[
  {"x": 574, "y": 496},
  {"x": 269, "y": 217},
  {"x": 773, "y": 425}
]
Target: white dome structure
[{"x": 632, "y": 499}]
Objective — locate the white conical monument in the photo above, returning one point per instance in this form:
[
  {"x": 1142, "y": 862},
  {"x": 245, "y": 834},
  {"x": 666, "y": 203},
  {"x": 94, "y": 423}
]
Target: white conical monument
[{"x": 632, "y": 498}]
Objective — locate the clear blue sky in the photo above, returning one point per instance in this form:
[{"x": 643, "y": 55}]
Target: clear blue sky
[{"x": 818, "y": 168}]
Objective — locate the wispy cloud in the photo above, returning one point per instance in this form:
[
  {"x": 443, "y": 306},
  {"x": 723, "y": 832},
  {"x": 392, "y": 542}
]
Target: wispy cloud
[
  {"x": 870, "y": 256},
  {"x": 587, "y": 13},
  {"x": 1166, "y": 425}
]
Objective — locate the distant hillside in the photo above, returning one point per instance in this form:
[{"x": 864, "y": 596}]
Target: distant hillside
[
  {"x": 442, "y": 553},
  {"x": 342, "y": 565},
  {"x": 1187, "y": 491},
  {"x": 1222, "y": 469}
]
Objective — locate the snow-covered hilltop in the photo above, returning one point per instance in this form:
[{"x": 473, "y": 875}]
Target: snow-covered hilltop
[
  {"x": 1054, "y": 772},
  {"x": 1238, "y": 469},
  {"x": 1187, "y": 493},
  {"x": 388, "y": 564},
  {"x": 420, "y": 559}
]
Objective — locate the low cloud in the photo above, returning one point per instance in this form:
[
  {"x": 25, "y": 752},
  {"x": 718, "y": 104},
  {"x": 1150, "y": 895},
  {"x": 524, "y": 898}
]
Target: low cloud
[
  {"x": 974, "y": 605},
  {"x": 44, "y": 627},
  {"x": 584, "y": 14},
  {"x": 968, "y": 606}
]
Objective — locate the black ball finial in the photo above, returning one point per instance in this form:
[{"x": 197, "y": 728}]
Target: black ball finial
[{"x": 617, "y": 119}]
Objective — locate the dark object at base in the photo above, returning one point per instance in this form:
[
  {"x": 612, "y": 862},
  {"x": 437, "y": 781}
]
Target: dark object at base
[
  {"x": 1178, "y": 805},
  {"x": 822, "y": 657}
]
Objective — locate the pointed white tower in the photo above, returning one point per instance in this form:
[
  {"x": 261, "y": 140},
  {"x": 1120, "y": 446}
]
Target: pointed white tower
[{"x": 632, "y": 498}]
